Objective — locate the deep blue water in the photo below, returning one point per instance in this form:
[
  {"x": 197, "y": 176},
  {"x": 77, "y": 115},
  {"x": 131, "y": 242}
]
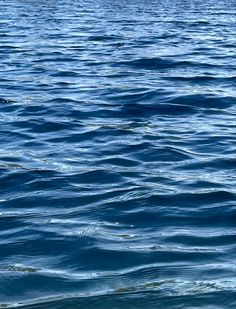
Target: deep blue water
[{"x": 117, "y": 154}]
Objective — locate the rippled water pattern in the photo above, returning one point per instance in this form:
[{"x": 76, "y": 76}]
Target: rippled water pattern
[{"x": 117, "y": 154}]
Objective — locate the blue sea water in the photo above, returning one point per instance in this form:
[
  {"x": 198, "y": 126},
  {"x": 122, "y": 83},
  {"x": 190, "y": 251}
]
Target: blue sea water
[{"x": 117, "y": 154}]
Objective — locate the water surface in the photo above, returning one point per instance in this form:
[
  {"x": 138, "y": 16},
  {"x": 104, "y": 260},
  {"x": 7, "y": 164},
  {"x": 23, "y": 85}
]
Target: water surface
[{"x": 117, "y": 154}]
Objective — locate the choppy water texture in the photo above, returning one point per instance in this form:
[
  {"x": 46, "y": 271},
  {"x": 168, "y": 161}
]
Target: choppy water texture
[{"x": 117, "y": 154}]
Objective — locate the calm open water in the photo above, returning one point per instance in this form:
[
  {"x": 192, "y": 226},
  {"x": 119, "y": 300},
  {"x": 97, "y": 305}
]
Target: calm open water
[{"x": 117, "y": 154}]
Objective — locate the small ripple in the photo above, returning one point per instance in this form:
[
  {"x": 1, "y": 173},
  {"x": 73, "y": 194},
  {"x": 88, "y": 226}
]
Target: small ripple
[{"x": 160, "y": 63}]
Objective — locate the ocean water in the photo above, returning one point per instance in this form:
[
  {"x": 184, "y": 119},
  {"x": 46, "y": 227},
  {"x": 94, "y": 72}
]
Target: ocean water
[{"x": 117, "y": 154}]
